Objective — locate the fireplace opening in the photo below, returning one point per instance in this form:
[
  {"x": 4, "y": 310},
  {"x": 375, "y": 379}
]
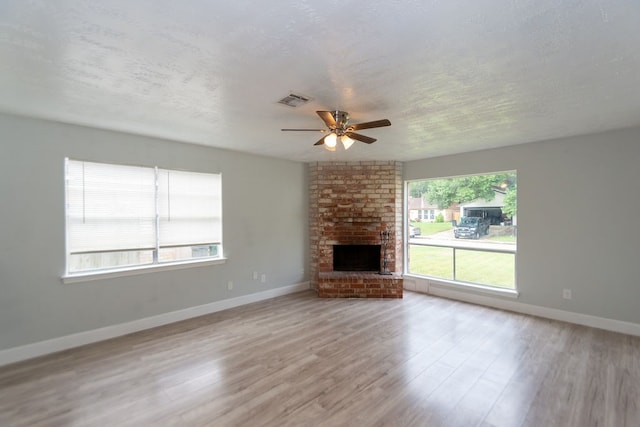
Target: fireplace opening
[{"x": 356, "y": 257}]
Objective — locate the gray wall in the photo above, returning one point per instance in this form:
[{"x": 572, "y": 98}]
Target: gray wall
[
  {"x": 265, "y": 229},
  {"x": 578, "y": 202},
  {"x": 578, "y": 211}
]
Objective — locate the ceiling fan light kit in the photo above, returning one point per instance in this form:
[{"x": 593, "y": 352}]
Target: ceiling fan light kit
[
  {"x": 338, "y": 126},
  {"x": 331, "y": 140},
  {"x": 346, "y": 141}
]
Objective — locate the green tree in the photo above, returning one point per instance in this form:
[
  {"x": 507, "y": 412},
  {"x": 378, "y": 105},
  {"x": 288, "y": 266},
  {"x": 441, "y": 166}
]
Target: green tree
[
  {"x": 447, "y": 191},
  {"x": 418, "y": 188},
  {"x": 510, "y": 207},
  {"x": 441, "y": 192}
]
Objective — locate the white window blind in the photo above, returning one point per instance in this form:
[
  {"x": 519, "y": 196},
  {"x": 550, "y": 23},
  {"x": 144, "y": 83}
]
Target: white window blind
[
  {"x": 119, "y": 216},
  {"x": 189, "y": 208},
  {"x": 109, "y": 207}
]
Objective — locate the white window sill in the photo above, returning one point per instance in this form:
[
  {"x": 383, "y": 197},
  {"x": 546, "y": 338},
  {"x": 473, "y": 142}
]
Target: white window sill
[
  {"x": 444, "y": 283},
  {"x": 133, "y": 271}
]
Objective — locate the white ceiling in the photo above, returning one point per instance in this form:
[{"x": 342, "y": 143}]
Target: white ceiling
[{"x": 451, "y": 75}]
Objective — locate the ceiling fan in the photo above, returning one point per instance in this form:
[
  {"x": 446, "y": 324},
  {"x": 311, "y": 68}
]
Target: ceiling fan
[{"x": 338, "y": 127}]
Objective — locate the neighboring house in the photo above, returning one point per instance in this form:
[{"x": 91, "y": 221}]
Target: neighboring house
[
  {"x": 421, "y": 210},
  {"x": 491, "y": 209}
]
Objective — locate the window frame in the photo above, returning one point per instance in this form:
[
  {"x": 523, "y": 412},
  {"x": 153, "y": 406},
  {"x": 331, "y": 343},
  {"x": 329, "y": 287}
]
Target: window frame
[
  {"x": 455, "y": 282},
  {"x": 156, "y": 263}
]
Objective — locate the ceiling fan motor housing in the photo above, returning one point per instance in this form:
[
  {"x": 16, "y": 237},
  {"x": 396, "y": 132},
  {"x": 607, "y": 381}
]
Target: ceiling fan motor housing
[{"x": 342, "y": 119}]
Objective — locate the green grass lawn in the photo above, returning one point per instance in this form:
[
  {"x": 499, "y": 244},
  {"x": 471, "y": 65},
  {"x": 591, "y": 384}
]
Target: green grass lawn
[
  {"x": 486, "y": 268},
  {"x": 427, "y": 228}
]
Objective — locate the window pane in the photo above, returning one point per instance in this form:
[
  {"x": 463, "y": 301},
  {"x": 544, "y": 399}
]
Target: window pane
[
  {"x": 487, "y": 268},
  {"x": 190, "y": 208},
  {"x": 96, "y": 261},
  {"x": 109, "y": 207},
  {"x": 431, "y": 261},
  {"x": 182, "y": 253},
  {"x": 471, "y": 232}
]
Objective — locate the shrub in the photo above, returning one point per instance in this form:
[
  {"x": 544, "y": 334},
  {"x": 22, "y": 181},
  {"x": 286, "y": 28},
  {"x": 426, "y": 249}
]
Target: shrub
[{"x": 439, "y": 218}]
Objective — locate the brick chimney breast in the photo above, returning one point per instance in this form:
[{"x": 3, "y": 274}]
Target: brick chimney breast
[{"x": 351, "y": 203}]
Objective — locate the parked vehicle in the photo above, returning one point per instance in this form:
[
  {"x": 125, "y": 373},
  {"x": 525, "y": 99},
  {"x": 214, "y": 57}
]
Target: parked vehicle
[
  {"x": 414, "y": 231},
  {"x": 471, "y": 228}
]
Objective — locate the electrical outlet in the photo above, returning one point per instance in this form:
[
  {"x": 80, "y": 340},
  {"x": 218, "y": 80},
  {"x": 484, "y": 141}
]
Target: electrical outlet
[
  {"x": 263, "y": 278},
  {"x": 566, "y": 293},
  {"x": 255, "y": 275},
  {"x": 229, "y": 285}
]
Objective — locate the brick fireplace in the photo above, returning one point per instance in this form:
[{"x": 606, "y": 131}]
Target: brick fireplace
[{"x": 351, "y": 203}]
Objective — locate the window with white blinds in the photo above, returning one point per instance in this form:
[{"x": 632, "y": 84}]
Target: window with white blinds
[
  {"x": 119, "y": 216},
  {"x": 189, "y": 211}
]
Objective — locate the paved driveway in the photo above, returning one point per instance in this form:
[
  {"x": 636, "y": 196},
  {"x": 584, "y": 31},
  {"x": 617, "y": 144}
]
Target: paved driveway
[{"x": 446, "y": 238}]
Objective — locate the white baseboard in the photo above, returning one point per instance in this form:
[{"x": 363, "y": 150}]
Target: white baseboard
[
  {"x": 41, "y": 348},
  {"x": 442, "y": 290}
]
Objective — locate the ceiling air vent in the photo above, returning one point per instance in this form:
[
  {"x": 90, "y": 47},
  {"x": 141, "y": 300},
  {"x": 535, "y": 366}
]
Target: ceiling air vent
[{"x": 294, "y": 100}]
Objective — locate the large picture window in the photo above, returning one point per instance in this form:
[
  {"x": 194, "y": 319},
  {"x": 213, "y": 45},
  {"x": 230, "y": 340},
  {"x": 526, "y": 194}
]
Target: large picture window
[
  {"x": 122, "y": 216},
  {"x": 472, "y": 236}
]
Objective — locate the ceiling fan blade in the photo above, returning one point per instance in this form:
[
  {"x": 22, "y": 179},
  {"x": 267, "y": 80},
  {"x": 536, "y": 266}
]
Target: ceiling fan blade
[
  {"x": 320, "y": 142},
  {"x": 303, "y": 130},
  {"x": 327, "y": 118},
  {"x": 369, "y": 125},
  {"x": 361, "y": 138}
]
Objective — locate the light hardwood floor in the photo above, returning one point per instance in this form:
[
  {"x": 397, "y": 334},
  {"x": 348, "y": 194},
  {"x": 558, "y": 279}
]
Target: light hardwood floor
[{"x": 303, "y": 361}]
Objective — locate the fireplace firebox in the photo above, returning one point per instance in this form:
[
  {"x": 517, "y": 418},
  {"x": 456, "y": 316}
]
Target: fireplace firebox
[{"x": 356, "y": 257}]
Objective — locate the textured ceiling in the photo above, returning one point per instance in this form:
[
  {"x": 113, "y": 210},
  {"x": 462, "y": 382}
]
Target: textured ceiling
[{"x": 451, "y": 75}]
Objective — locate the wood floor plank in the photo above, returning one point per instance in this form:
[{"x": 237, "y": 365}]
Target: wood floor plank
[{"x": 299, "y": 360}]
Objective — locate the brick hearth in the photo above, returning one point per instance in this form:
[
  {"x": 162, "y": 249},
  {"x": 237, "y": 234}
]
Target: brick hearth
[{"x": 350, "y": 204}]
